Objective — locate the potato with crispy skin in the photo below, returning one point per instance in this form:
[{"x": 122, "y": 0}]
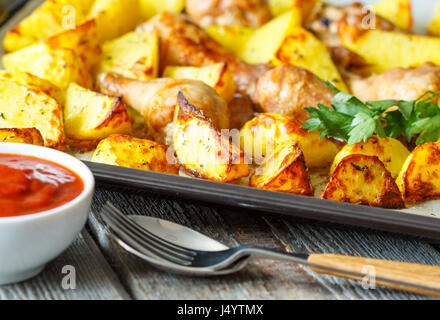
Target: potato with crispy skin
[
  {"x": 216, "y": 76},
  {"x": 59, "y": 66},
  {"x": 284, "y": 170},
  {"x": 396, "y": 49},
  {"x": 32, "y": 81},
  {"x": 51, "y": 17},
  {"x": 24, "y": 106},
  {"x": 135, "y": 55},
  {"x": 83, "y": 40},
  {"x": 232, "y": 38},
  {"x": 434, "y": 27},
  {"x": 125, "y": 151},
  {"x": 301, "y": 48},
  {"x": 93, "y": 116},
  {"x": 202, "y": 149},
  {"x": 362, "y": 179},
  {"x": 419, "y": 178},
  {"x": 390, "y": 151},
  {"x": 23, "y": 135},
  {"x": 262, "y": 134}
]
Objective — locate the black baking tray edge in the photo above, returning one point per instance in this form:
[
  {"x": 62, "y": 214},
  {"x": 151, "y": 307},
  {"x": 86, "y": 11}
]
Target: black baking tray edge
[{"x": 267, "y": 201}]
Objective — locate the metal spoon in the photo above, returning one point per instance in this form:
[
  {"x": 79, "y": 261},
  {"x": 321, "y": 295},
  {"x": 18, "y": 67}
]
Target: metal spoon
[{"x": 182, "y": 236}]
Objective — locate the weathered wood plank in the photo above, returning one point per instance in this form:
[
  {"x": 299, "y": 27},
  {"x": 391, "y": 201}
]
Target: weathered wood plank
[
  {"x": 94, "y": 277},
  {"x": 263, "y": 279}
]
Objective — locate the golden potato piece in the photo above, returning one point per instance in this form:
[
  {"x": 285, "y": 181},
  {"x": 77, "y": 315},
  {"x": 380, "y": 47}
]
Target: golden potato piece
[
  {"x": 59, "y": 66},
  {"x": 390, "y": 151},
  {"x": 265, "y": 42},
  {"x": 23, "y": 135},
  {"x": 32, "y": 81},
  {"x": 216, "y": 76},
  {"x": 232, "y": 38},
  {"x": 434, "y": 27},
  {"x": 125, "y": 151},
  {"x": 135, "y": 55},
  {"x": 51, "y": 17},
  {"x": 301, "y": 48},
  {"x": 278, "y": 7},
  {"x": 115, "y": 17},
  {"x": 419, "y": 178},
  {"x": 202, "y": 149},
  {"x": 93, "y": 116},
  {"x": 396, "y": 49},
  {"x": 83, "y": 40},
  {"x": 262, "y": 134},
  {"x": 396, "y": 11},
  {"x": 150, "y": 8},
  {"x": 28, "y": 107},
  {"x": 285, "y": 171},
  {"x": 361, "y": 179}
]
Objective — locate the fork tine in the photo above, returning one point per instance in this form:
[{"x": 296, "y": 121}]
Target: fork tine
[
  {"x": 132, "y": 238},
  {"x": 148, "y": 234}
]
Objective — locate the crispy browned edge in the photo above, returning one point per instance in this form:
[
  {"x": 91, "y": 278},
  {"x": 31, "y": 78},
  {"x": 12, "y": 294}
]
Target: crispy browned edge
[
  {"x": 186, "y": 111},
  {"x": 298, "y": 159},
  {"x": 390, "y": 200}
]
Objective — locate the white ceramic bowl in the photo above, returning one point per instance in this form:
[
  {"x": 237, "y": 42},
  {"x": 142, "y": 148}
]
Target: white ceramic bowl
[{"x": 28, "y": 242}]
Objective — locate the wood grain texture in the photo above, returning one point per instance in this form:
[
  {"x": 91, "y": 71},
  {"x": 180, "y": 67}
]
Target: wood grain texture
[
  {"x": 263, "y": 279},
  {"x": 384, "y": 272},
  {"x": 94, "y": 277}
]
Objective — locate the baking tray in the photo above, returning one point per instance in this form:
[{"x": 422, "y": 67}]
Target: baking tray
[{"x": 423, "y": 220}]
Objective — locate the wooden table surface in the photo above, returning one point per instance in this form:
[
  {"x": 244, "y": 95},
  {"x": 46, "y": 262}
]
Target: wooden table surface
[{"x": 104, "y": 271}]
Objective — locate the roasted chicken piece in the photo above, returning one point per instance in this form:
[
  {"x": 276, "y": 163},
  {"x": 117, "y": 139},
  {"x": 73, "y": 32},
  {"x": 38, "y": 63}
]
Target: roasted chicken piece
[
  {"x": 325, "y": 20},
  {"x": 241, "y": 110},
  {"x": 288, "y": 89},
  {"x": 398, "y": 84},
  {"x": 184, "y": 43},
  {"x": 248, "y": 13},
  {"x": 324, "y": 23},
  {"x": 156, "y": 101}
]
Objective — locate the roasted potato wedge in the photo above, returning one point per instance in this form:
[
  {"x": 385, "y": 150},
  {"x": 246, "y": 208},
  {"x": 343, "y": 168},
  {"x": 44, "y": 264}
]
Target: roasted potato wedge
[
  {"x": 285, "y": 171},
  {"x": 232, "y": 38},
  {"x": 52, "y": 17},
  {"x": 115, "y": 17},
  {"x": 83, "y": 40},
  {"x": 126, "y": 151},
  {"x": 93, "y": 116},
  {"x": 278, "y": 7},
  {"x": 396, "y": 11},
  {"x": 134, "y": 55},
  {"x": 266, "y": 40},
  {"x": 391, "y": 152},
  {"x": 301, "y": 48},
  {"x": 150, "y": 8},
  {"x": 59, "y": 66},
  {"x": 23, "y": 135},
  {"x": 261, "y": 135},
  {"x": 362, "y": 179},
  {"x": 419, "y": 178},
  {"x": 434, "y": 27},
  {"x": 32, "y": 81},
  {"x": 28, "y": 107},
  {"x": 202, "y": 149},
  {"x": 396, "y": 49},
  {"x": 216, "y": 76}
]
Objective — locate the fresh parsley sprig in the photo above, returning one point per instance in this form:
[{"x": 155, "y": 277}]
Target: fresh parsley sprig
[{"x": 353, "y": 121}]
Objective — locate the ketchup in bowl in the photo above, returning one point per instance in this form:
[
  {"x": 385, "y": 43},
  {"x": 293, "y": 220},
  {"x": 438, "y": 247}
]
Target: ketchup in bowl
[{"x": 30, "y": 185}]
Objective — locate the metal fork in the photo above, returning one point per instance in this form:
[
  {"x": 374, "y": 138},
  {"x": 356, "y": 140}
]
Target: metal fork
[{"x": 412, "y": 277}]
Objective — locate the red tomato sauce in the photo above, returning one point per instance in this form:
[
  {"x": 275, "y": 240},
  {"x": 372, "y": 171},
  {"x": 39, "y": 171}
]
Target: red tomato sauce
[{"x": 30, "y": 185}]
